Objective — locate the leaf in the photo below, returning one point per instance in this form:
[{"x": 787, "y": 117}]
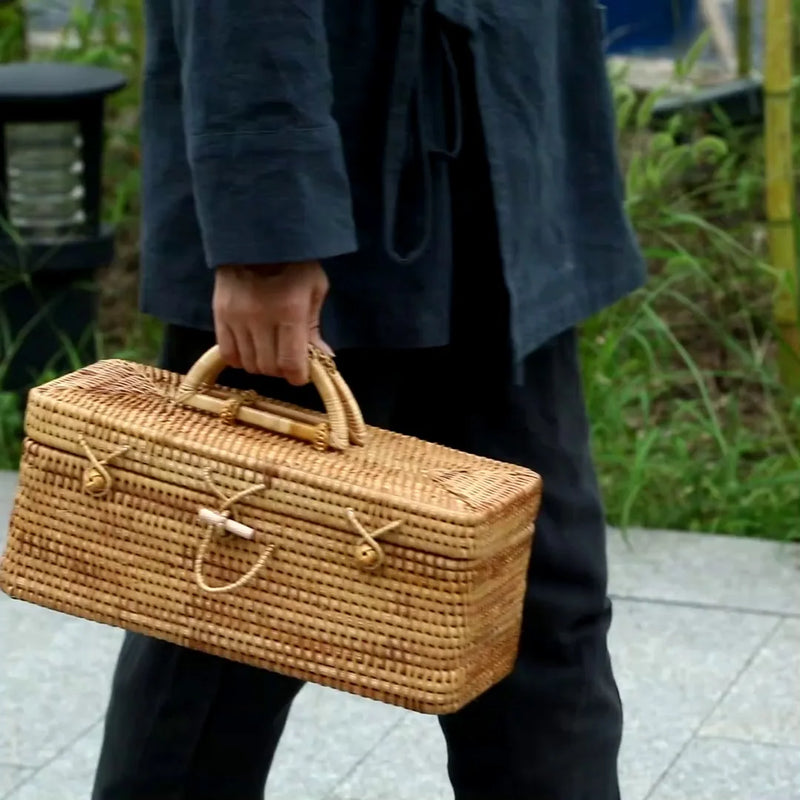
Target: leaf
[
  {"x": 685, "y": 66},
  {"x": 710, "y": 149},
  {"x": 644, "y": 115}
]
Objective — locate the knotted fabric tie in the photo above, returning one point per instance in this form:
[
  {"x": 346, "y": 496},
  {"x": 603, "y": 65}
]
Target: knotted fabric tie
[{"x": 411, "y": 137}]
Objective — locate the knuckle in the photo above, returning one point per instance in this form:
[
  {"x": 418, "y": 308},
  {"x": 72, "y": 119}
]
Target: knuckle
[
  {"x": 220, "y": 307},
  {"x": 291, "y": 308},
  {"x": 236, "y": 307},
  {"x": 251, "y": 309},
  {"x": 230, "y": 355},
  {"x": 292, "y": 368},
  {"x": 295, "y": 377},
  {"x": 266, "y": 365},
  {"x": 288, "y": 362}
]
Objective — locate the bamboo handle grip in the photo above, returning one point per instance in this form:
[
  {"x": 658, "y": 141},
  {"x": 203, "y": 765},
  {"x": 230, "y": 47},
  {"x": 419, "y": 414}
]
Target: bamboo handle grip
[{"x": 343, "y": 414}]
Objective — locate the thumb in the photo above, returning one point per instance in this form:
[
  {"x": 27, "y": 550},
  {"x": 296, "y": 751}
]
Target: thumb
[
  {"x": 317, "y": 341},
  {"x": 315, "y": 314}
]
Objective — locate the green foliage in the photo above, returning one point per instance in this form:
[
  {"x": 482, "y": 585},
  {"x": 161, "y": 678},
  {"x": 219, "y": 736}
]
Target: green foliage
[
  {"x": 111, "y": 35},
  {"x": 142, "y": 342},
  {"x": 12, "y": 31},
  {"x": 10, "y": 430},
  {"x": 692, "y": 429}
]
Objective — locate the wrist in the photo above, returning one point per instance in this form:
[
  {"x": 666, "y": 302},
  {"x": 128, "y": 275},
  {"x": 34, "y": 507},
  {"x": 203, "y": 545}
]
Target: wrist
[{"x": 253, "y": 269}]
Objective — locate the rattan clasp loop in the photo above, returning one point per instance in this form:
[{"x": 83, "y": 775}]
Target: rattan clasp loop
[
  {"x": 368, "y": 554},
  {"x": 97, "y": 480},
  {"x": 226, "y": 509}
]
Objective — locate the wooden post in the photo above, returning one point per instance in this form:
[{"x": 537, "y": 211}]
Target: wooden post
[{"x": 780, "y": 183}]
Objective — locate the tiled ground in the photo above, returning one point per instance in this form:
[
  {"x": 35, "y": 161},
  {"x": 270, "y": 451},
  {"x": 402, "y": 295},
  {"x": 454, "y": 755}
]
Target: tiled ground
[{"x": 706, "y": 643}]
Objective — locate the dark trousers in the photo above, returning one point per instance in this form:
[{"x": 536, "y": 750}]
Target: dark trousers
[{"x": 184, "y": 725}]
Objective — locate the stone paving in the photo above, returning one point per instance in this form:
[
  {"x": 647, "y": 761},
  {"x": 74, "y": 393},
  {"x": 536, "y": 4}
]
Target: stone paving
[{"x": 706, "y": 645}]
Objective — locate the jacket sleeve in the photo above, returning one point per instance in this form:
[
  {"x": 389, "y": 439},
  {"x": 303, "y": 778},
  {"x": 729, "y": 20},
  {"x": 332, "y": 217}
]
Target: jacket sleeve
[{"x": 267, "y": 166}]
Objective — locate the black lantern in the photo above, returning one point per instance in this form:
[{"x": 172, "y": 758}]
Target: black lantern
[{"x": 51, "y": 236}]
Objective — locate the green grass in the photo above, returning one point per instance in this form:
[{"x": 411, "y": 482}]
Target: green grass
[
  {"x": 685, "y": 445},
  {"x": 692, "y": 428}
]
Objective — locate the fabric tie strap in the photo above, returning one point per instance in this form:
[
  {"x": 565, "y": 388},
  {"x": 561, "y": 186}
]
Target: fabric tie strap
[{"x": 411, "y": 134}]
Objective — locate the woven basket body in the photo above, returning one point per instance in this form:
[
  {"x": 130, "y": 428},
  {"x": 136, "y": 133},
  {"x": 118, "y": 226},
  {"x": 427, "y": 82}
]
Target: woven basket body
[{"x": 395, "y": 570}]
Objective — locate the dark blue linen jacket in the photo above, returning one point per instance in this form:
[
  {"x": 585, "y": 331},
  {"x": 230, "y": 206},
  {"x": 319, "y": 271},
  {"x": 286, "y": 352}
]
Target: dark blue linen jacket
[{"x": 279, "y": 130}]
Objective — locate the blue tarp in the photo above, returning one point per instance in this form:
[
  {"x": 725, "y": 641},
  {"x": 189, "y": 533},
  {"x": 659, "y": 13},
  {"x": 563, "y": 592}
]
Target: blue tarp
[{"x": 647, "y": 26}]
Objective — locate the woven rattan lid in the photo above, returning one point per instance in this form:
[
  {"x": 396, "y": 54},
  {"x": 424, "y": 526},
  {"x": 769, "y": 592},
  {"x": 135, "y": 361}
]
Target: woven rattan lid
[{"x": 132, "y": 404}]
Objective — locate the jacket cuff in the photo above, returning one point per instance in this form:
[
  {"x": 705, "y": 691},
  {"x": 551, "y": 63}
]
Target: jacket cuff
[{"x": 271, "y": 197}]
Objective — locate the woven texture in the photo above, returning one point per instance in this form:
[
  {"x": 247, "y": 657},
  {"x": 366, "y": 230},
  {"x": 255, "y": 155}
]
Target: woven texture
[{"x": 395, "y": 570}]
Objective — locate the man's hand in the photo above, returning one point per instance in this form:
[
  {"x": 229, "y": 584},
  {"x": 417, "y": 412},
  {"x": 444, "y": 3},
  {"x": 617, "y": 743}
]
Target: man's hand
[{"x": 266, "y": 316}]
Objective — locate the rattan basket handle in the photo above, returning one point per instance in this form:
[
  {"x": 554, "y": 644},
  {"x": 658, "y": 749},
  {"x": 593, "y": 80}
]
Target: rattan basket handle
[{"x": 344, "y": 421}]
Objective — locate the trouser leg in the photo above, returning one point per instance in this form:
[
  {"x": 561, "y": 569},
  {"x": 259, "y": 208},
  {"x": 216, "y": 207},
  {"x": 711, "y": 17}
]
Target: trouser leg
[
  {"x": 551, "y": 731},
  {"x": 185, "y": 725}
]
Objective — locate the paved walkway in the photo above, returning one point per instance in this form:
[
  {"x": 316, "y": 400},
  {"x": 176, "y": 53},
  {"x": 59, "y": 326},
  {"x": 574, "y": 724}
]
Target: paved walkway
[{"x": 706, "y": 643}]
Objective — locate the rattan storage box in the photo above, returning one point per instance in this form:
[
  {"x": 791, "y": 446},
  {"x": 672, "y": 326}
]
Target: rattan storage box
[{"x": 299, "y": 542}]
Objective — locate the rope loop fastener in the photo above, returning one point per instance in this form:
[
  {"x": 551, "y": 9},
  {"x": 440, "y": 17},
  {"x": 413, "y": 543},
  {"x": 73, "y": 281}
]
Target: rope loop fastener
[{"x": 222, "y": 522}]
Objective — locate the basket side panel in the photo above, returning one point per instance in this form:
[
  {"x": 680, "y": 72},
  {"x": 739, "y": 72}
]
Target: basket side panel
[{"x": 127, "y": 559}]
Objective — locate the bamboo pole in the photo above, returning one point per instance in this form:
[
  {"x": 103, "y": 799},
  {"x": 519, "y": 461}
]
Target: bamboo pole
[
  {"x": 744, "y": 37},
  {"x": 796, "y": 33},
  {"x": 780, "y": 183}
]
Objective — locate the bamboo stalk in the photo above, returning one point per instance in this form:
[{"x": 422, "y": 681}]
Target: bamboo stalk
[
  {"x": 796, "y": 32},
  {"x": 744, "y": 37},
  {"x": 780, "y": 183}
]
